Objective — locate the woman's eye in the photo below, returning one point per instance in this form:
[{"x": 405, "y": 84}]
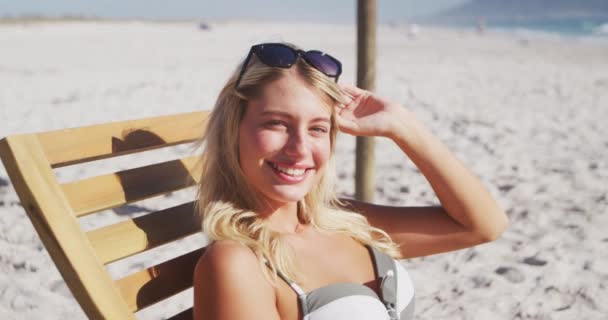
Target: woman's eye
[
  {"x": 275, "y": 123},
  {"x": 320, "y": 129}
]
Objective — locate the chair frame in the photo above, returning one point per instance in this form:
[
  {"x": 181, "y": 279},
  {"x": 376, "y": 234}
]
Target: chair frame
[{"x": 55, "y": 208}]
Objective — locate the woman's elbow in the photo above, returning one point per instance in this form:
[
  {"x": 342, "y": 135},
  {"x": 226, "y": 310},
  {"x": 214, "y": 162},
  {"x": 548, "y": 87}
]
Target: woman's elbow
[{"x": 495, "y": 229}]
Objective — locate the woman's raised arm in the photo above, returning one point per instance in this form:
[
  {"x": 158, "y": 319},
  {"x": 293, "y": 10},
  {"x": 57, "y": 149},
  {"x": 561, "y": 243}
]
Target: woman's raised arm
[{"x": 469, "y": 214}]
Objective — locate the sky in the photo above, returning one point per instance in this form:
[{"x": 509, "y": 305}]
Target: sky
[{"x": 302, "y": 10}]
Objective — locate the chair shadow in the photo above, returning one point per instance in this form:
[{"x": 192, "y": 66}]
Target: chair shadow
[
  {"x": 136, "y": 187},
  {"x": 167, "y": 278}
]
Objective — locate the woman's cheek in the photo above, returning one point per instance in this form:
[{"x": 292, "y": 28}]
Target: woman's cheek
[
  {"x": 322, "y": 151},
  {"x": 269, "y": 141}
]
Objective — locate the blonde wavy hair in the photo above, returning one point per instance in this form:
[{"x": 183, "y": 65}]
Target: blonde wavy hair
[{"x": 226, "y": 199}]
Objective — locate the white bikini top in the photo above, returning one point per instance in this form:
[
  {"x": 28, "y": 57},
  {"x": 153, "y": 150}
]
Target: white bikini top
[{"x": 356, "y": 301}]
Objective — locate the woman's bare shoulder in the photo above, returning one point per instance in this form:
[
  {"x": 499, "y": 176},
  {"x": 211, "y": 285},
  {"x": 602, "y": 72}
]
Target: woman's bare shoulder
[
  {"x": 224, "y": 252},
  {"x": 226, "y": 257},
  {"x": 229, "y": 271}
]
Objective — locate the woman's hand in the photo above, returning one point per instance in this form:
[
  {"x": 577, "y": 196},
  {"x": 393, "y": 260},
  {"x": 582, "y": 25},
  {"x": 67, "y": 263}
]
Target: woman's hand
[
  {"x": 469, "y": 216},
  {"x": 369, "y": 115}
]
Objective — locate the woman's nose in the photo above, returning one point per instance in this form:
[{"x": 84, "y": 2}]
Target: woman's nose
[{"x": 297, "y": 144}]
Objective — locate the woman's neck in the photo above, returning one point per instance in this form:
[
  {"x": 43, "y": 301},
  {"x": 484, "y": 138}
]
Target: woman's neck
[{"x": 283, "y": 219}]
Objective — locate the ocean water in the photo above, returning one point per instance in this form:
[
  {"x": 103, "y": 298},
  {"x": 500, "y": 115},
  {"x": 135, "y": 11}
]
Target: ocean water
[
  {"x": 576, "y": 27},
  {"x": 566, "y": 26}
]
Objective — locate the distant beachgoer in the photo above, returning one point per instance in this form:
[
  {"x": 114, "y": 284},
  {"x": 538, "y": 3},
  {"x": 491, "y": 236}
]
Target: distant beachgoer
[
  {"x": 283, "y": 245},
  {"x": 481, "y": 25},
  {"x": 413, "y": 31}
]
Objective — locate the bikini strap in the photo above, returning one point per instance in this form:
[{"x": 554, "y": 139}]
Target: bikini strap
[
  {"x": 386, "y": 271},
  {"x": 299, "y": 292}
]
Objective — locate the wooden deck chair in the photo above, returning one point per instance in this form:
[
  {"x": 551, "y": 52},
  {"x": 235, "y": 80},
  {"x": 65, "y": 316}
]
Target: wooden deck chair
[{"x": 55, "y": 208}]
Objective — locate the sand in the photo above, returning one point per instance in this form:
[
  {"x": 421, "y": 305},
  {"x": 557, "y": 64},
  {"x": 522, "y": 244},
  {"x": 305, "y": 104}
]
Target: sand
[{"x": 527, "y": 112}]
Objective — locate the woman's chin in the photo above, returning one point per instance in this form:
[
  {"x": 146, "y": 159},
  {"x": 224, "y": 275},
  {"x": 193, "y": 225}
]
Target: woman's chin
[{"x": 288, "y": 196}]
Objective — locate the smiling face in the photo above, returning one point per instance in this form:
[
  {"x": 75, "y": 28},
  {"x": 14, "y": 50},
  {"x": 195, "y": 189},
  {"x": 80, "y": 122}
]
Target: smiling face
[{"x": 284, "y": 140}]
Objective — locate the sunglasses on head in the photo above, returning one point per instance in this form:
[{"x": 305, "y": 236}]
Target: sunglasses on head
[{"x": 284, "y": 56}]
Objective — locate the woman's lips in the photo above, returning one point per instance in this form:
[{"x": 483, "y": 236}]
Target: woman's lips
[{"x": 291, "y": 174}]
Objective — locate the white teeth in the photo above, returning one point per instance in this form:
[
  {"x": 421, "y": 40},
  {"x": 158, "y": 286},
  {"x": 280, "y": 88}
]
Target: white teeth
[{"x": 289, "y": 171}]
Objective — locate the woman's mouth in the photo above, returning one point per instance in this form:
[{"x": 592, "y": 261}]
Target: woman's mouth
[{"x": 289, "y": 174}]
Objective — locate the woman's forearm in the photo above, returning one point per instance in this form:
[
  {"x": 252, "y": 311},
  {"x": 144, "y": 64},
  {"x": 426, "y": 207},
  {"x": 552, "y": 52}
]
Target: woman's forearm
[{"x": 460, "y": 192}]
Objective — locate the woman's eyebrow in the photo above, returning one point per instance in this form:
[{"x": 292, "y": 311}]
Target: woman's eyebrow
[
  {"x": 288, "y": 115},
  {"x": 276, "y": 113},
  {"x": 321, "y": 119}
]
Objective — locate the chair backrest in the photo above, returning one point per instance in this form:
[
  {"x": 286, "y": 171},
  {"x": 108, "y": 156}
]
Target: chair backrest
[{"x": 55, "y": 208}]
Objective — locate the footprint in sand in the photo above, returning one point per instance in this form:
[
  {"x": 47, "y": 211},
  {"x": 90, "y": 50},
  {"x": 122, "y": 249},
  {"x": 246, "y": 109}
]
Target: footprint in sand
[
  {"x": 534, "y": 261},
  {"x": 59, "y": 286},
  {"x": 513, "y": 275}
]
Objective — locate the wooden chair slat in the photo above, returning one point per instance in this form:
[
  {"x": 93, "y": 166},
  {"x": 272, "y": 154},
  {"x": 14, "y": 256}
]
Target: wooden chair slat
[
  {"x": 76, "y": 145},
  {"x": 184, "y": 315},
  {"x": 116, "y": 189},
  {"x": 146, "y": 287},
  {"x": 61, "y": 233},
  {"x": 54, "y": 208},
  {"x": 133, "y": 236}
]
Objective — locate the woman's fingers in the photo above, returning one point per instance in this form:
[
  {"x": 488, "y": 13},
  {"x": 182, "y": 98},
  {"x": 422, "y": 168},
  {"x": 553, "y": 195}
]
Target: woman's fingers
[
  {"x": 352, "y": 90},
  {"x": 347, "y": 94},
  {"x": 345, "y": 125},
  {"x": 353, "y": 103}
]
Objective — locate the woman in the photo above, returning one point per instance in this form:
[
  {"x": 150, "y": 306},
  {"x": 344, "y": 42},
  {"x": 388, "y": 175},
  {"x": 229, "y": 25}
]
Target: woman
[{"x": 284, "y": 247}]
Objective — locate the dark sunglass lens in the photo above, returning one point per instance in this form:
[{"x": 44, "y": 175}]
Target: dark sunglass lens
[
  {"x": 277, "y": 55},
  {"x": 324, "y": 63}
]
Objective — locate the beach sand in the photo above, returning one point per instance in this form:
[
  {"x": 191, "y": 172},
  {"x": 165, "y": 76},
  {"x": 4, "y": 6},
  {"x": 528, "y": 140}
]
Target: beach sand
[{"x": 526, "y": 112}]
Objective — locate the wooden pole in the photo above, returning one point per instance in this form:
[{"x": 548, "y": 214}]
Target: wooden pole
[{"x": 366, "y": 79}]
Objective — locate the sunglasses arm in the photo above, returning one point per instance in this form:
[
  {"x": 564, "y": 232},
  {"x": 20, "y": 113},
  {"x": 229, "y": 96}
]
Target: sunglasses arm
[{"x": 243, "y": 68}]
